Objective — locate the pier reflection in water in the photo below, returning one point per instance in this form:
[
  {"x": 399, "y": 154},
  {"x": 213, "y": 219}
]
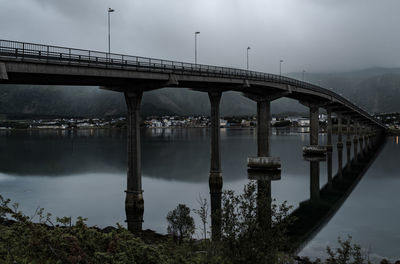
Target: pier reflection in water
[
  {"x": 84, "y": 172},
  {"x": 370, "y": 214}
]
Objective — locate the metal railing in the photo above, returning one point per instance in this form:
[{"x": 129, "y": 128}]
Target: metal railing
[{"x": 87, "y": 58}]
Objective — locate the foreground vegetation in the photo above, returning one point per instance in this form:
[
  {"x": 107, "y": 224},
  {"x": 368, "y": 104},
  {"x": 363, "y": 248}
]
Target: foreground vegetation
[{"x": 37, "y": 239}]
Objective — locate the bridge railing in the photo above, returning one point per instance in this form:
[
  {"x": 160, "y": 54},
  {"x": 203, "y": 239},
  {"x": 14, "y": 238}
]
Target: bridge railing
[{"x": 70, "y": 56}]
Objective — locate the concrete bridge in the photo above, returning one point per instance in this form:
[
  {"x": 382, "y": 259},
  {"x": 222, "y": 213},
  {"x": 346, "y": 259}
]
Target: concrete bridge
[{"x": 28, "y": 63}]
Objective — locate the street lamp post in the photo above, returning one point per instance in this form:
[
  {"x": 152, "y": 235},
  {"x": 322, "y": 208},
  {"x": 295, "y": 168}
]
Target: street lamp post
[
  {"x": 110, "y": 10},
  {"x": 195, "y": 46},
  {"x": 248, "y": 48},
  {"x": 280, "y": 67},
  {"x": 303, "y": 75}
]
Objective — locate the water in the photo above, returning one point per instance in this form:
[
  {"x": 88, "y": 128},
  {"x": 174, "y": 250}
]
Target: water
[{"x": 83, "y": 173}]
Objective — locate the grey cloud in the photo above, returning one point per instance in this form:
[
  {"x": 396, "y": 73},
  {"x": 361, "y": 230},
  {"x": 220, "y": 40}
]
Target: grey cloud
[{"x": 315, "y": 35}]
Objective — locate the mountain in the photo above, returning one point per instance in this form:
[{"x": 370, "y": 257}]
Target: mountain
[{"x": 374, "y": 89}]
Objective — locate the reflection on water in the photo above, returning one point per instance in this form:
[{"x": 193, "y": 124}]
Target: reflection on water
[
  {"x": 84, "y": 173},
  {"x": 370, "y": 214}
]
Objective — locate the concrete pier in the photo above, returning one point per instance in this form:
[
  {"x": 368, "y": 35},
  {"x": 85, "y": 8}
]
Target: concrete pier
[
  {"x": 263, "y": 128},
  {"x": 355, "y": 141},
  {"x": 365, "y": 138},
  {"x": 348, "y": 142},
  {"x": 340, "y": 147},
  {"x": 329, "y": 147},
  {"x": 369, "y": 144},
  {"x": 314, "y": 125},
  {"x": 264, "y": 198},
  {"x": 264, "y": 168},
  {"x": 314, "y": 149},
  {"x": 215, "y": 179},
  {"x": 134, "y": 204},
  {"x": 314, "y": 153},
  {"x": 361, "y": 139}
]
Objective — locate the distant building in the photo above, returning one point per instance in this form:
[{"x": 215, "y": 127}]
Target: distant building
[
  {"x": 223, "y": 123},
  {"x": 245, "y": 123},
  {"x": 303, "y": 122},
  {"x": 323, "y": 117},
  {"x": 166, "y": 122}
]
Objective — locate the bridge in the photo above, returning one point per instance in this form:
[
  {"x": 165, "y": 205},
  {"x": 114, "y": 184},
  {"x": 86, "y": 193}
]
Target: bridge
[{"x": 29, "y": 63}]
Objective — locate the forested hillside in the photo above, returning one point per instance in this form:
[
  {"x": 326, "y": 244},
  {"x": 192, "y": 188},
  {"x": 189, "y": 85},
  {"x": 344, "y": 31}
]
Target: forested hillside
[{"x": 375, "y": 89}]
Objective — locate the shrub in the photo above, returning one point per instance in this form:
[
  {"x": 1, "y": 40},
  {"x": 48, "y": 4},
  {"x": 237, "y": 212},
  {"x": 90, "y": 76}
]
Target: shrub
[
  {"x": 23, "y": 241},
  {"x": 253, "y": 231},
  {"x": 347, "y": 253},
  {"x": 180, "y": 223}
]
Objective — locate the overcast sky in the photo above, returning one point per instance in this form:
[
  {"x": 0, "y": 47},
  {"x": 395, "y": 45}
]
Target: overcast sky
[{"x": 310, "y": 35}]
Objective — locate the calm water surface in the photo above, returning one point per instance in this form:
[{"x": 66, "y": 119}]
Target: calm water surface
[{"x": 83, "y": 173}]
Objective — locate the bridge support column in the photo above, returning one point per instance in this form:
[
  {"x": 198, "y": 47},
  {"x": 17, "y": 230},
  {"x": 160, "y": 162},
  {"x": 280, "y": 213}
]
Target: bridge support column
[
  {"x": 329, "y": 147},
  {"x": 215, "y": 179},
  {"x": 134, "y": 205},
  {"x": 264, "y": 168},
  {"x": 314, "y": 161},
  {"x": 361, "y": 139},
  {"x": 355, "y": 142},
  {"x": 366, "y": 138},
  {"x": 369, "y": 136},
  {"x": 314, "y": 125},
  {"x": 348, "y": 143},
  {"x": 263, "y": 128},
  {"x": 365, "y": 145},
  {"x": 340, "y": 147},
  {"x": 263, "y": 150}
]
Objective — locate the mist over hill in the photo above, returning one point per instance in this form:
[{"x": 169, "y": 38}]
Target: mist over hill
[{"x": 374, "y": 89}]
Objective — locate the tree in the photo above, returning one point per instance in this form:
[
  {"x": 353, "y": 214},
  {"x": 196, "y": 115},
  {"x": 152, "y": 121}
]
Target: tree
[
  {"x": 246, "y": 238},
  {"x": 180, "y": 223},
  {"x": 203, "y": 214},
  {"x": 346, "y": 253}
]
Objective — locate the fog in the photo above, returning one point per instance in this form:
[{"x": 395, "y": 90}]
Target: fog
[{"x": 310, "y": 35}]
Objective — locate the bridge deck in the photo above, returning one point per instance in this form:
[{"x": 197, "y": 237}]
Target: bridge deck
[{"x": 29, "y": 63}]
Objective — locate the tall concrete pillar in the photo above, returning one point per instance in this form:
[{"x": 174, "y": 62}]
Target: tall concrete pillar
[
  {"x": 340, "y": 147},
  {"x": 355, "y": 141},
  {"x": 215, "y": 180},
  {"x": 134, "y": 204},
  {"x": 348, "y": 142},
  {"x": 329, "y": 147},
  {"x": 314, "y": 163},
  {"x": 314, "y": 125},
  {"x": 361, "y": 139},
  {"x": 365, "y": 136},
  {"x": 369, "y": 145},
  {"x": 263, "y": 128},
  {"x": 264, "y": 198}
]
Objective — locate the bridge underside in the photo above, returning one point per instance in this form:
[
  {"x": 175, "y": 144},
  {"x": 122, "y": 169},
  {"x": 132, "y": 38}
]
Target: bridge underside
[{"x": 121, "y": 80}]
